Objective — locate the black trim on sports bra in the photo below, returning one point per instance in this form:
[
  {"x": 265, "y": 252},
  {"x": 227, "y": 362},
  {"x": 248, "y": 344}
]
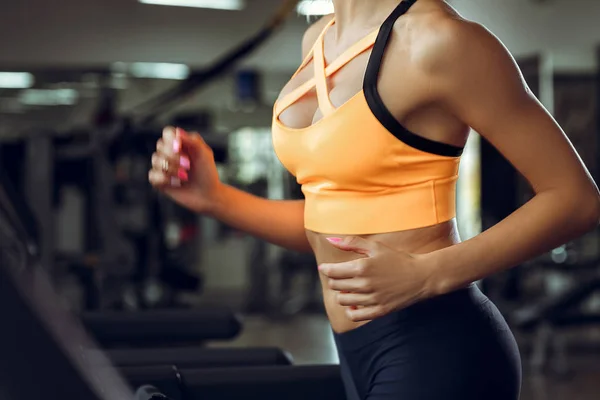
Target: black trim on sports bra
[{"x": 375, "y": 102}]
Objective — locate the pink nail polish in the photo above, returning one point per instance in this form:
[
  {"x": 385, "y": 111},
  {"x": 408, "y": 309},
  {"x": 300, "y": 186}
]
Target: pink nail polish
[
  {"x": 181, "y": 132},
  {"x": 182, "y": 175},
  {"x": 334, "y": 240},
  {"x": 176, "y": 145},
  {"x": 184, "y": 162}
]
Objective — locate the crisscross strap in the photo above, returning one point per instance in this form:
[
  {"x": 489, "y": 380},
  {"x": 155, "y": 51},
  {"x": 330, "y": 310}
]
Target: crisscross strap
[
  {"x": 322, "y": 71},
  {"x": 321, "y": 78},
  {"x": 309, "y": 56}
]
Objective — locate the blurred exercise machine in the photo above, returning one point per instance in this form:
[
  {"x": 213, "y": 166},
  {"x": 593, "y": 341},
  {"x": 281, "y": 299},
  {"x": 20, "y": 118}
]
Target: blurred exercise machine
[
  {"x": 42, "y": 345},
  {"x": 143, "y": 328},
  {"x": 246, "y": 383},
  {"x": 152, "y": 328},
  {"x": 553, "y": 316},
  {"x": 135, "y": 248},
  {"x": 46, "y": 346},
  {"x": 198, "y": 357},
  {"x": 294, "y": 294}
]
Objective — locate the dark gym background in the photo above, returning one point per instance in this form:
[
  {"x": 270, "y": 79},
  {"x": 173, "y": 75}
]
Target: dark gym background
[{"x": 78, "y": 126}]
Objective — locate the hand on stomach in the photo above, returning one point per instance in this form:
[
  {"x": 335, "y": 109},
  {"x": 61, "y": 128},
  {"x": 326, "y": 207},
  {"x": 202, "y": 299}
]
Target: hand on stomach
[{"x": 417, "y": 241}]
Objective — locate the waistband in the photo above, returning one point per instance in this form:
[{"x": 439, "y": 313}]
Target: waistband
[
  {"x": 403, "y": 209},
  {"x": 376, "y": 329}
]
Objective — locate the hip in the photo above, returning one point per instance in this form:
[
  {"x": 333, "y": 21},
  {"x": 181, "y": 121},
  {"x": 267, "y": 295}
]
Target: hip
[
  {"x": 465, "y": 313},
  {"x": 453, "y": 346}
]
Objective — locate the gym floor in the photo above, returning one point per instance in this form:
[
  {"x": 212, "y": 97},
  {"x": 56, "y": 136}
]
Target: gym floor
[{"x": 308, "y": 339}]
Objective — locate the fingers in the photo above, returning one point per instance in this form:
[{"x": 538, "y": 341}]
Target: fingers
[
  {"x": 169, "y": 166},
  {"x": 367, "y": 313},
  {"x": 160, "y": 179},
  {"x": 175, "y": 139},
  {"x": 171, "y": 141},
  {"x": 344, "y": 270},
  {"x": 355, "y": 299},
  {"x": 176, "y": 142},
  {"x": 191, "y": 138},
  {"x": 354, "y": 244},
  {"x": 356, "y": 285},
  {"x": 177, "y": 166}
]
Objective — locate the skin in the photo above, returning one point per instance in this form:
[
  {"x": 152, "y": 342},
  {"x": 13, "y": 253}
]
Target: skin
[{"x": 441, "y": 75}]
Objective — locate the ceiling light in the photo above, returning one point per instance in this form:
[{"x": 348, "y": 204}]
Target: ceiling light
[
  {"x": 216, "y": 4},
  {"x": 16, "y": 80},
  {"x": 151, "y": 70},
  {"x": 312, "y": 7},
  {"x": 49, "y": 97}
]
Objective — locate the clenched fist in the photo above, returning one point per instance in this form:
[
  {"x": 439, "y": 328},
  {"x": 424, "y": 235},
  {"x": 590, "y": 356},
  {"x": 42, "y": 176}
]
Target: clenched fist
[{"x": 183, "y": 167}]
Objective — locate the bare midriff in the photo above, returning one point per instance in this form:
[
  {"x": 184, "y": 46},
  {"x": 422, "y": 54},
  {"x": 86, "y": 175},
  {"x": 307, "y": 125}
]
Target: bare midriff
[{"x": 416, "y": 241}]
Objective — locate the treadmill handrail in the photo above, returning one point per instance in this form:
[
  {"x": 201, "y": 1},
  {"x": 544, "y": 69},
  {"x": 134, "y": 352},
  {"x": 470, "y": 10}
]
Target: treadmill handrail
[{"x": 16, "y": 210}]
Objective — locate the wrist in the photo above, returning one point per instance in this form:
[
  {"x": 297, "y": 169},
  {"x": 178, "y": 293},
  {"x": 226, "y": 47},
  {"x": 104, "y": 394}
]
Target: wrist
[
  {"x": 215, "y": 203},
  {"x": 438, "y": 281}
]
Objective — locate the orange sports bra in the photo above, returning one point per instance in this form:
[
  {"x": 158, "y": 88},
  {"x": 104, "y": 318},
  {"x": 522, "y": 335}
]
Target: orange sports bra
[{"x": 360, "y": 170}]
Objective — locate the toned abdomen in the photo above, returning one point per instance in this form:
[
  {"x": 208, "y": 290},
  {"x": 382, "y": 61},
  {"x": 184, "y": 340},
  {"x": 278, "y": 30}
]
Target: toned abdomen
[{"x": 417, "y": 241}]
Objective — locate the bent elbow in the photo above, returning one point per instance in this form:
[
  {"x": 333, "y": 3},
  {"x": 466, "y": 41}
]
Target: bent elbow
[{"x": 588, "y": 211}]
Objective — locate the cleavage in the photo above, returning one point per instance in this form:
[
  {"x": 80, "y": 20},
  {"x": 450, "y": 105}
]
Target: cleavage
[{"x": 343, "y": 85}]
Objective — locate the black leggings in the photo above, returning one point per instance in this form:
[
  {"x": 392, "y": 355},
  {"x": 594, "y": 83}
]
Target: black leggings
[{"x": 455, "y": 346}]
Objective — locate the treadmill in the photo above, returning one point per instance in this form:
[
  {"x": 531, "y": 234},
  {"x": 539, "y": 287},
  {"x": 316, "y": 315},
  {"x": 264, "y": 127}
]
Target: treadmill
[
  {"x": 45, "y": 353},
  {"x": 149, "y": 337},
  {"x": 43, "y": 350},
  {"x": 112, "y": 329}
]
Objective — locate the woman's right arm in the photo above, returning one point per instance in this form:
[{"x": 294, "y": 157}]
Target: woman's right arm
[
  {"x": 183, "y": 168},
  {"x": 280, "y": 222}
]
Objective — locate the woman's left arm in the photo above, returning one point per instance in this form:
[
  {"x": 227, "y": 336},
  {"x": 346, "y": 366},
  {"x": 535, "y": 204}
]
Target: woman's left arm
[
  {"x": 472, "y": 74},
  {"x": 481, "y": 84}
]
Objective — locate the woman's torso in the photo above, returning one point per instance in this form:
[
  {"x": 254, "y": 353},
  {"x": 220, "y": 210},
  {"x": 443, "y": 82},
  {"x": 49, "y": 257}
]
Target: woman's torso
[
  {"x": 407, "y": 96},
  {"x": 417, "y": 241}
]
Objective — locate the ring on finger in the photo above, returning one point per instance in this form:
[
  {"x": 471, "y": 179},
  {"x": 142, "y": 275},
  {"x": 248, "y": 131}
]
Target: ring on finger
[{"x": 165, "y": 165}]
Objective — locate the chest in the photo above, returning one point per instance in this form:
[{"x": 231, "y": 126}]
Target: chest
[{"x": 344, "y": 69}]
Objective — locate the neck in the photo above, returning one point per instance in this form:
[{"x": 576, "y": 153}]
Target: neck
[{"x": 358, "y": 14}]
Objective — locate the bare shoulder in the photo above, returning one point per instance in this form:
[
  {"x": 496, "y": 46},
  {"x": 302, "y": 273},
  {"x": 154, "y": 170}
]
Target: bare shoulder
[
  {"x": 443, "y": 42},
  {"x": 312, "y": 33}
]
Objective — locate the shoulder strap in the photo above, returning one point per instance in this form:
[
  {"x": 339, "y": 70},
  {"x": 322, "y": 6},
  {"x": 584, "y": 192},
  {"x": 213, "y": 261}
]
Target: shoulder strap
[{"x": 374, "y": 65}]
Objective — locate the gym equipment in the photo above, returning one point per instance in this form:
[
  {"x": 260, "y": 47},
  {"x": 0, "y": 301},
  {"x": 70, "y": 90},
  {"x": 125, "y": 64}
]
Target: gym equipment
[
  {"x": 290, "y": 298},
  {"x": 152, "y": 108},
  {"x": 552, "y": 315},
  {"x": 197, "y": 357},
  {"x": 41, "y": 356},
  {"x": 246, "y": 383},
  {"x": 141, "y": 242},
  {"x": 44, "y": 337},
  {"x": 39, "y": 182},
  {"x": 17, "y": 211},
  {"x": 149, "y": 328},
  {"x": 148, "y": 392},
  {"x": 161, "y": 327},
  {"x": 556, "y": 308}
]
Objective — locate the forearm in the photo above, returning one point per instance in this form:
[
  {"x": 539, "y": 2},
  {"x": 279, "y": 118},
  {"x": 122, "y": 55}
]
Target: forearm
[
  {"x": 545, "y": 222},
  {"x": 280, "y": 222}
]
